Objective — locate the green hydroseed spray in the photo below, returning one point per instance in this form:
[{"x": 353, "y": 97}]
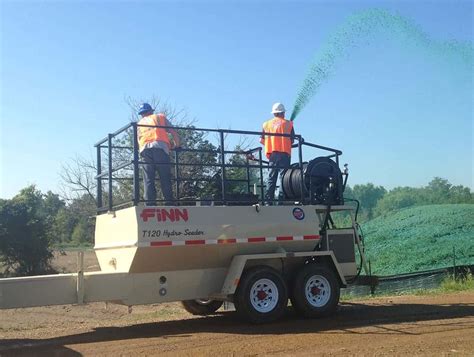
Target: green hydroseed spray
[{"x": 362, "y": 28}]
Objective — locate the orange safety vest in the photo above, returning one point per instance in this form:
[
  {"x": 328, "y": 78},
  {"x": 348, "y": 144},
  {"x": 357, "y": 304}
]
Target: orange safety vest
[
  {"x": 277, "y": 143},
  {"x": 148, "y": 135}
]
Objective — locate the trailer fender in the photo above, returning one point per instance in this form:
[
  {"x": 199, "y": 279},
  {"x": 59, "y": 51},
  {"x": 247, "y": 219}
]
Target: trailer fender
[{"x": 239, "y": 262}]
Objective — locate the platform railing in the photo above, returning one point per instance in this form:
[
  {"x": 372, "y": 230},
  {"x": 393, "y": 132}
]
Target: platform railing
[{"x": 253, "y": 161}]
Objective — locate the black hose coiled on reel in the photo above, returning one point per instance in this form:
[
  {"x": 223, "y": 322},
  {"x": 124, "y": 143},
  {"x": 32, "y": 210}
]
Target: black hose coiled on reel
[{"x": 320, "y": 182}]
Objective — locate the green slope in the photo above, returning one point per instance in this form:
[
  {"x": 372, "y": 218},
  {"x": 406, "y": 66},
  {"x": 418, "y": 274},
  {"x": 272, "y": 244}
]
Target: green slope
[{"x": 420, "y": 238}]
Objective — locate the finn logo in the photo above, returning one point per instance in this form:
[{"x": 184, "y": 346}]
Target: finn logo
[
  {"x": 164, "y": 215},
  {"x": 298, "y": 213}
]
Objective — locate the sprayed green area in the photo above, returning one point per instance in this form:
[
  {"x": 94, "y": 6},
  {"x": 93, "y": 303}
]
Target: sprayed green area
[
  {"x": 420, "y": 238},
  {"x": 364, "y": 28}
]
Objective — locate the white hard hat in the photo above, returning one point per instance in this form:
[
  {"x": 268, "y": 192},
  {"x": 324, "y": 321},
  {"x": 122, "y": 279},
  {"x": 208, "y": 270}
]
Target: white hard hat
[{"x": 278, "y": 108}]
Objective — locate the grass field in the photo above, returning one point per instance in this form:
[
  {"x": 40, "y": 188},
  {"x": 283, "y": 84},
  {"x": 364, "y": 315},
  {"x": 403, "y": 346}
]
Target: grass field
[{"x": 420, "y": 238}]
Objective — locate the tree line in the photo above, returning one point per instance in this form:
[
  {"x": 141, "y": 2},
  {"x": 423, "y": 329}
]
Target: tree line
[{"x": 376, "y": 200}]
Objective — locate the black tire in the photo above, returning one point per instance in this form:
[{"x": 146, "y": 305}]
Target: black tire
[
  {"x": 201, "y": 307},
  {"x": 315, "y": 291},
  {"x": 265, "y": 305}
]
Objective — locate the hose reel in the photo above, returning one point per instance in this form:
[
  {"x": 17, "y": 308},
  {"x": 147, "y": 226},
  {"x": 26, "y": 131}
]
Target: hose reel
[{"x": 321, "y": 182}]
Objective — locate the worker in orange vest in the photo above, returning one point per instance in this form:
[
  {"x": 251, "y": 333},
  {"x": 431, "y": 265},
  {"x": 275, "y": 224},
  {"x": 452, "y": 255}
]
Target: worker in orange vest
[
  {"x": 277, "y": 148},
  {"x": 154, "y": 145}
]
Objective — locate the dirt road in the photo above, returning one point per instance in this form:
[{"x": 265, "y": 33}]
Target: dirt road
[{"x": 415, "y": 325}]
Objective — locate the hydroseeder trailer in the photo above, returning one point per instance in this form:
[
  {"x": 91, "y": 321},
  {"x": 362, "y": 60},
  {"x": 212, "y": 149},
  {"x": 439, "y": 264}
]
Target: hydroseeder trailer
[{"x": 226, "y": 245}]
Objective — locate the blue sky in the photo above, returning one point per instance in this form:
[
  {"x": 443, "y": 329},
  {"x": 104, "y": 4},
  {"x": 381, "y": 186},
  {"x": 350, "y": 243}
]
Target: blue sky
[{"x": 399, "y": 116}]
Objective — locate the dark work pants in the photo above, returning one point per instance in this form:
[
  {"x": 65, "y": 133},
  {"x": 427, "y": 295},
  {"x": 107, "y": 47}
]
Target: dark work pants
[
  {"x": 278, "y": 161},
  {"x": 156, "y": 159}
]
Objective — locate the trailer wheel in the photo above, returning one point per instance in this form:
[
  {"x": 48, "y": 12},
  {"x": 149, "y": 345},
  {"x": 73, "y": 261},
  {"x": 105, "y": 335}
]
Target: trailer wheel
[
  {"x": 315, "y": 291},
  {"x": 201, "y": 307},
  {"x": 261, "y": 296}
]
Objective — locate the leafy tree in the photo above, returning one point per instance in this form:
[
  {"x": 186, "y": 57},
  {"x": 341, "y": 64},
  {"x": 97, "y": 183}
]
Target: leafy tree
[
  {"x": 239, "y": 173},
  {"x": 63, "y": 226},
  {"x": 24, "y": 225},
  {"x": 84, "y": 210},
  {"x": 195, "y": 179},
  {"x": 399, "y": 197},
  {"x": 368, "y": 195},
  {"x": 460, "y": 194},
  {"x": 83, "y": 232},
  {"x": 437, "y": 191},
  {"x": 51, "y": 205},
  {"x": 79, "y": 212}
]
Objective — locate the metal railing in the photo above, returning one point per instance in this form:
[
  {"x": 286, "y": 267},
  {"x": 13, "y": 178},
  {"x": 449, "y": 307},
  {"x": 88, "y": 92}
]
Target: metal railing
[{"x": 253, "y": 162}]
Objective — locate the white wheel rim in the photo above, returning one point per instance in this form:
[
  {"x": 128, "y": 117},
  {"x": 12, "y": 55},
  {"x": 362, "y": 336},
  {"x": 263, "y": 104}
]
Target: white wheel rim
[
  {"x": 317, "y": 291},
  {"x": 264, "y": 295}
]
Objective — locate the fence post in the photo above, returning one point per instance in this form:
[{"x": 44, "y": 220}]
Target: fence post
[
  {"x": 80, "y": 278},
  {"x": 454, "y": 263}
]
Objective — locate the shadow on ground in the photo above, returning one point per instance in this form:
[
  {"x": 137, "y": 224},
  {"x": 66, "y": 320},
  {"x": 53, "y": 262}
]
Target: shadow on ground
[{"x": 348, "y": 317}]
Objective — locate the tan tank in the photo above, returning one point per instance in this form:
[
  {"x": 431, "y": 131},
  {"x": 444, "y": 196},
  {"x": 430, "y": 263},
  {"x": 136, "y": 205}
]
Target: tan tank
[{"x": 153, "y": 239}]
